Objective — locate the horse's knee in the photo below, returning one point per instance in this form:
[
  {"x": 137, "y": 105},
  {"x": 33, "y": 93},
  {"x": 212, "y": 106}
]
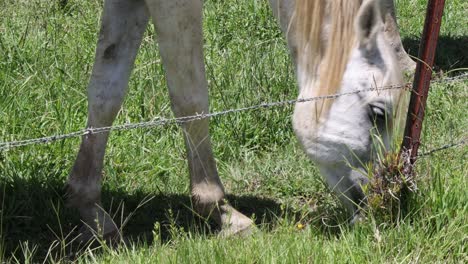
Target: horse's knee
[
  {"x": 104, "y": 104},
  {"x": 190, "y": 104}
]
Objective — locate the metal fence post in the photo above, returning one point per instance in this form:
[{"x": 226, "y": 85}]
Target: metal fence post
[{"x": 417, "y": 106}]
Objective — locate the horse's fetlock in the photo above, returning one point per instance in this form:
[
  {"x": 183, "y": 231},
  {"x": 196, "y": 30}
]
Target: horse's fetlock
[
  {"x": 82, "y": 195},
  {"x": 207, "y": 197}
]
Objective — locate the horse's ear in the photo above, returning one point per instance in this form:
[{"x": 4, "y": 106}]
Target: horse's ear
[{"x": 368, "y": 21}]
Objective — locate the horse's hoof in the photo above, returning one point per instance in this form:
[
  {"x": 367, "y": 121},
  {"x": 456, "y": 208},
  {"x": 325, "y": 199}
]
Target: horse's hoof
[
  {"x": 241, "y": 226},
  {"x": 238, "y": 232},
  {"x": 87, "y": 237},
  {"x": 357, "y": 219}
]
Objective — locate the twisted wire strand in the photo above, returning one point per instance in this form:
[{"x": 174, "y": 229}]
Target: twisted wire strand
[
  {"x": 179, "y": 120},
  {"x": 161, "y": 121},
  {"x": 456, "y": 144}
]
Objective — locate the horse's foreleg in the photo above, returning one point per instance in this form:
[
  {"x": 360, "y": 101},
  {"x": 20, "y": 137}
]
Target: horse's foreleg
[
  {"x": 122, "y": 25},
  {"x": 179, "y": 28},
  {"x": 393, "y": 35}
]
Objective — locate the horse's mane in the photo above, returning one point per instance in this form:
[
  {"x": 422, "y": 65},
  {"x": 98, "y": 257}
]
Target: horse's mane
[{"x": 323, "y": 61}]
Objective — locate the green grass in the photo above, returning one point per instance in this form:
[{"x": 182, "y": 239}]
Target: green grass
[{"x": 46, "y": 54}]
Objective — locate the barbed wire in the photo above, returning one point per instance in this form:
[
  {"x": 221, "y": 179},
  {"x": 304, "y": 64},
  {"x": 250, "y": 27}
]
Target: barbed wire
[
  {"x": 165, "y": 121},
  {"x": 451, "y": 79},
  {"x": 5, "y": 146},
  {"x": 458, "y": 143}
]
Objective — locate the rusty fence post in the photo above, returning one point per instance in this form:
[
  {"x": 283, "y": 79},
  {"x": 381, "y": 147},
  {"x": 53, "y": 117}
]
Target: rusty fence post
[{"x": 417, "y": 106}]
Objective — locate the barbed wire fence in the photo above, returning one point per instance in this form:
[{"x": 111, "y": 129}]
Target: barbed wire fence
[{"x": 161, "y": 121}]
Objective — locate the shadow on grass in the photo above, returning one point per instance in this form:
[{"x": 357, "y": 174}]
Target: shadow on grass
[
  {"x": 451, "y": 52},
  {"x": 33, "y": 212}
]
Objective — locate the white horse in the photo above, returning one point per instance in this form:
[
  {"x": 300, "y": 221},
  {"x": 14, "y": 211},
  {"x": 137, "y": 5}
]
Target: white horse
[{"x": 337, "y": 46}]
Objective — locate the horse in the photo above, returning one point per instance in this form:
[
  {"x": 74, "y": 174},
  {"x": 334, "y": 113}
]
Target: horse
[{"x": 336, "y": 46}]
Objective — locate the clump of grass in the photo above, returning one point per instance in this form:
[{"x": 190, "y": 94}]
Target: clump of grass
[{"x": 391, "y": 184}]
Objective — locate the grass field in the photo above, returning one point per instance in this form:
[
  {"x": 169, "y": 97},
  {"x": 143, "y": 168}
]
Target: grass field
[{"x": 46, "y": 54}]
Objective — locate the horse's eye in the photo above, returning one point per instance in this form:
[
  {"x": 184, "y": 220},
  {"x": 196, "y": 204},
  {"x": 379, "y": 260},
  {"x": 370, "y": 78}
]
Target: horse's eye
[{"x": 377, "y": 112}]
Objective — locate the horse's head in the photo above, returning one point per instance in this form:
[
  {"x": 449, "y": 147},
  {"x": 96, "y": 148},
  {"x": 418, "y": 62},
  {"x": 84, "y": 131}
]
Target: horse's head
[{"x": 342, "y": 135}]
